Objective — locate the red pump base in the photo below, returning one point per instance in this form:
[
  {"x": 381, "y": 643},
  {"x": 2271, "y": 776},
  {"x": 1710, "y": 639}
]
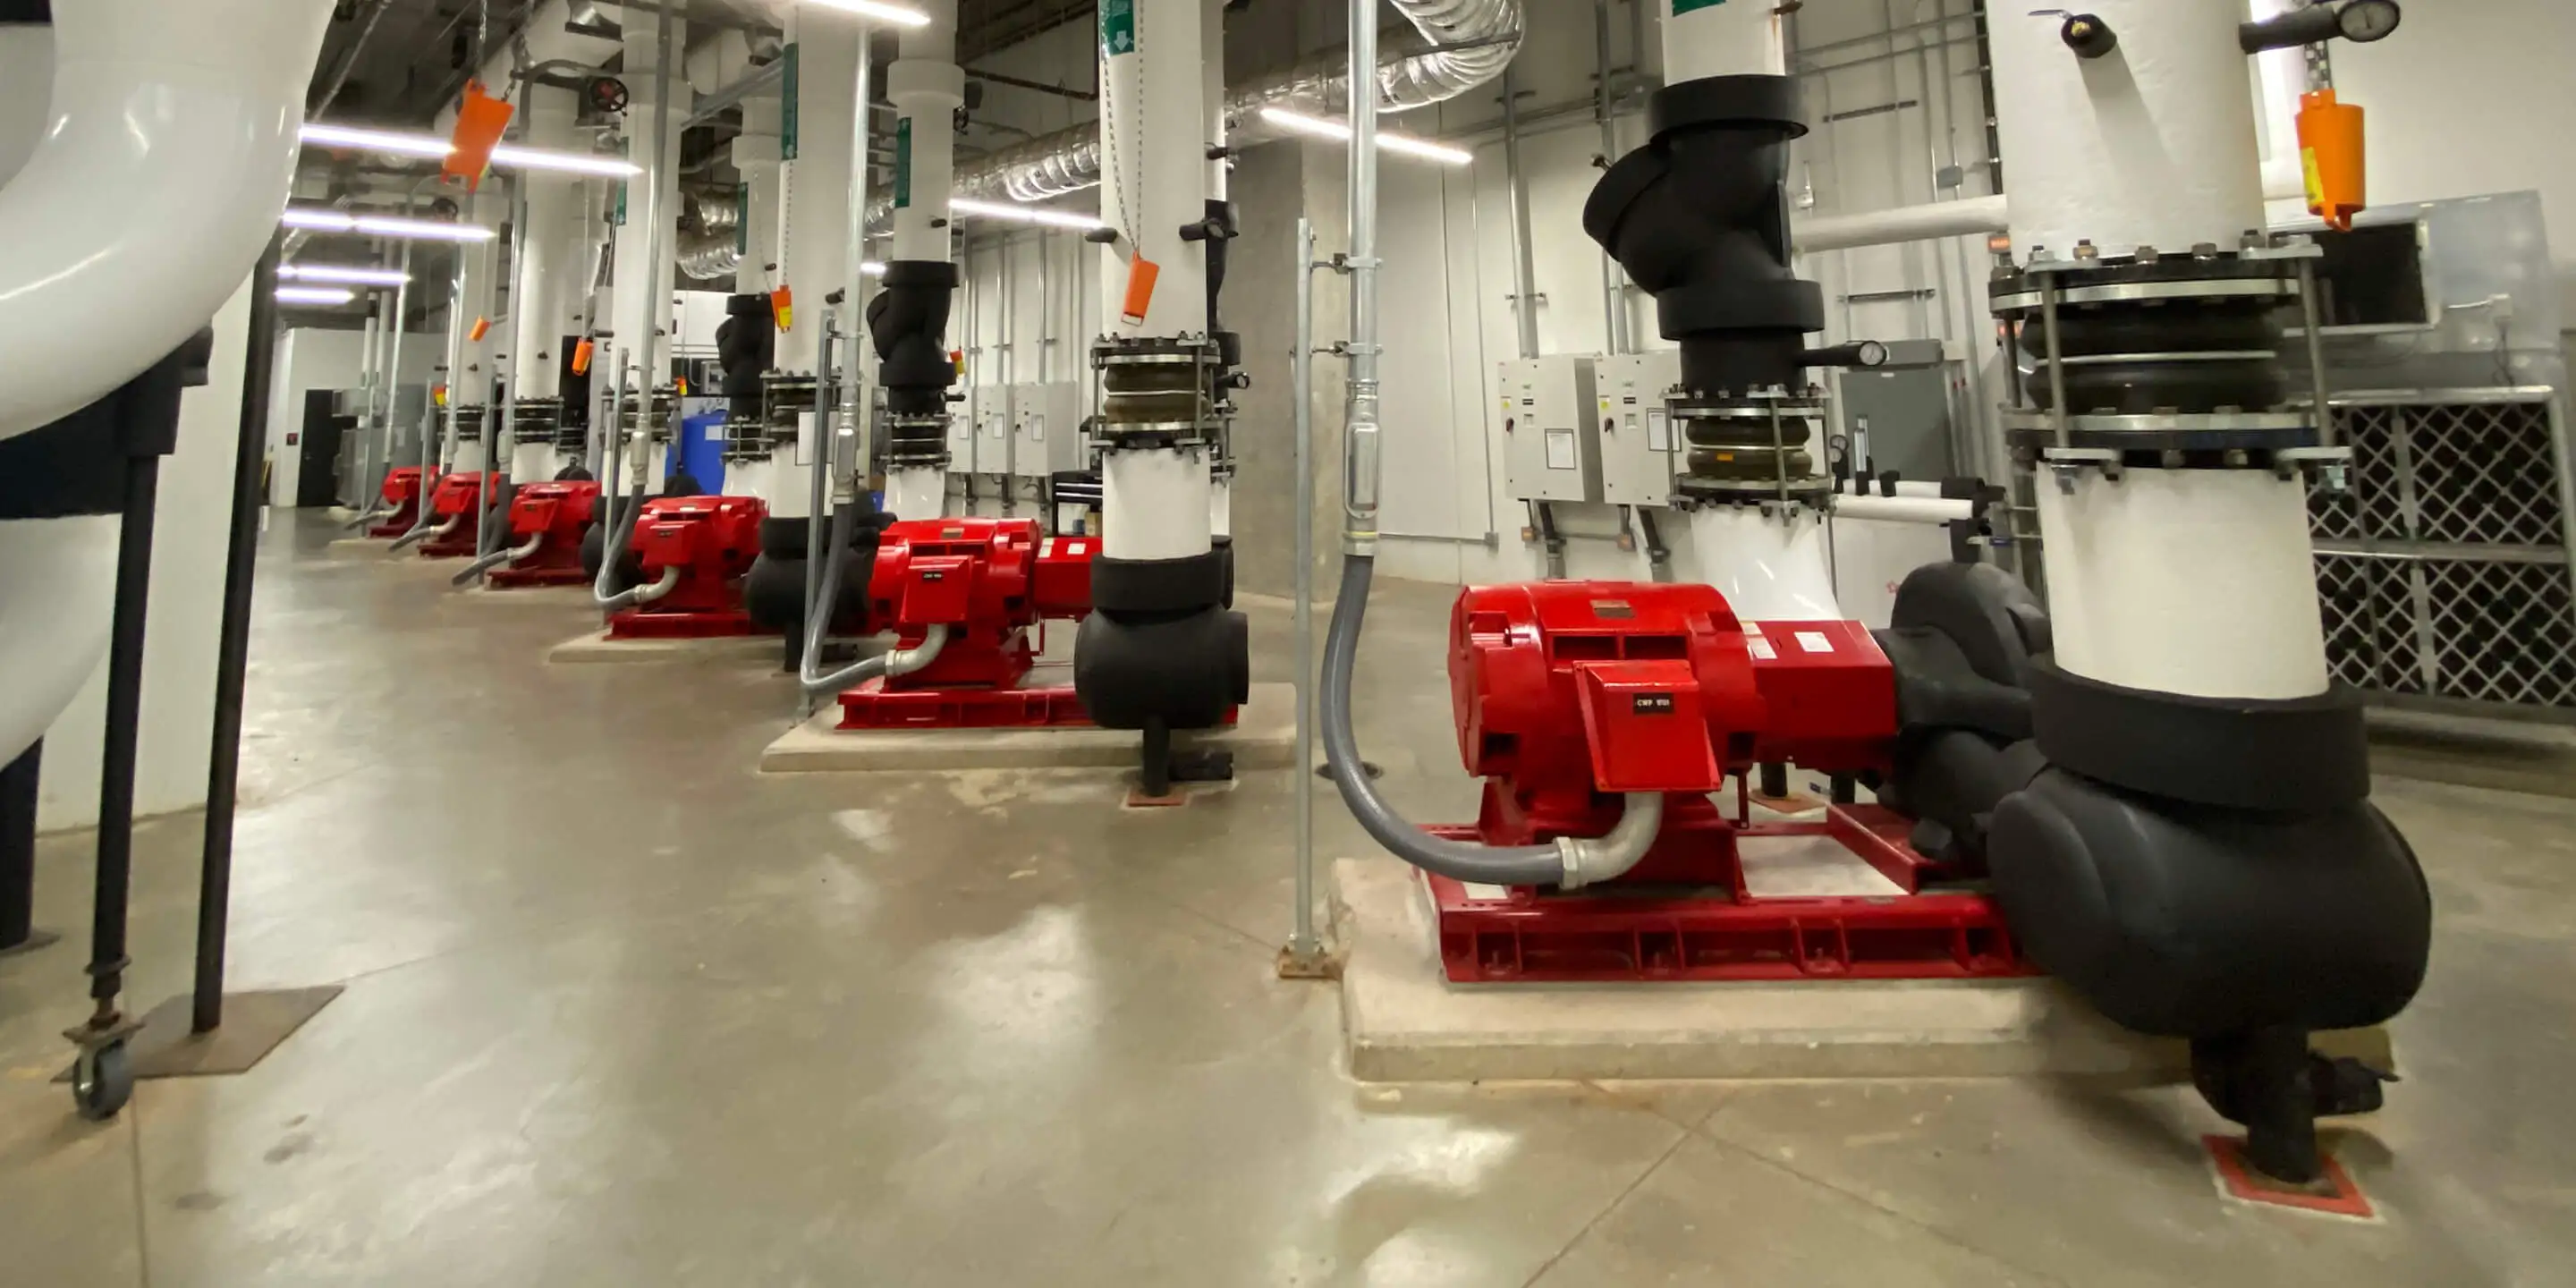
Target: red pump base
[
  {"x": 401, "y": 488},
  {"x": 458, "y": 497},
  {"x": 561, "y": 511},
  {"x": 1637, "y": 932}
]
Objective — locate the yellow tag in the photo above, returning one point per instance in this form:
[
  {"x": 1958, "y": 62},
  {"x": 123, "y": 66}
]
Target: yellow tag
[{"x": 2316, "y": 180}]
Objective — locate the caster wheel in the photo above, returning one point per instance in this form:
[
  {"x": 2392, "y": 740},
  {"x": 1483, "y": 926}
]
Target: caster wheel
[{"x": 102, "y": 1081}]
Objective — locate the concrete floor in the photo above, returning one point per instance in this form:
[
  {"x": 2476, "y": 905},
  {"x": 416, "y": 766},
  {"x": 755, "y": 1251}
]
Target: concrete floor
[{"x": 622, "y": 1011}]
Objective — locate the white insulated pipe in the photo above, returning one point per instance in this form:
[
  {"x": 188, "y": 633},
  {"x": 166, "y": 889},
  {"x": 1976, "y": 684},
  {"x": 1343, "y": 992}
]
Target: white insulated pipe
[
  {"x": 1155, "y": 176},
  {"x": 158, "y": 178},
  {"x": 640, "y": 308},
  {"x": 26, "y": 90},
  {"x": 926, "y": 88},
  {"x": 547, "y": 305},
  {"x": 2196, "y": 582},
  {"x": 916, "y": 493},
  {"x": 1968, "y": 217},
  {"x": 816, "y": 178},
  {"x": 1903, "y": 509},
  {"x": 1739, "y": 39},
  {"x": 756, "y": 156},
  {"x": 1769, "y": 568}
]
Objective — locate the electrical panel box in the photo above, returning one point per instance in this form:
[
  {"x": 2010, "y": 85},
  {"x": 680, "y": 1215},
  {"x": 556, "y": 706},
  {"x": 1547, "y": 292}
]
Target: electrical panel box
[
  {"x": 961, "y": 434},
  {"x": 1898, "y": 416},
  {"x": 1638, "y": 454},
  {"x": 1046, "y": 429},
  {"x": 979, "y": 438},
  {"x": 1551, "y": 441}
]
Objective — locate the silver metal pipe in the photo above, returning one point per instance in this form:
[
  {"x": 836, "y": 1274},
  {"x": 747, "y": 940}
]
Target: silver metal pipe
[
  {"x": 420, "y": 533},
  {"x": 474, "y": 571},
  {"x": 1303, "y": 942},
  {"x": 1007, "y": 331},
  {"x": 506, "y": 439},
  {"x": 1614, "y": 293},
  {"x": 818, "y": 489},
  {"x": 2059, "y": 415},
  {"x": 2314, "y": 322},
  {"x": 521, "y": 552},
  {"x": 657, "y": 218},
  {"x": 1360, "y": 452},
  {"x": 1524, "y": 252}
]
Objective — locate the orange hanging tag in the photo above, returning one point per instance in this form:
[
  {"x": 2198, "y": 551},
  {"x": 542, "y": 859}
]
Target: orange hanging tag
[
  {"x": 957, "y": 359},
  {"x": 438, "y": 395},
  {"x": 782, "y": 305},
  {"x": 480, "y": 121},
  {"x": 2331, "y": 153},
  {"x": 1141, "y": 273},
  {"x": 581, "y": 358},
  {"x": 682, "y": 386},
  {"x": 482, "y": 328}
]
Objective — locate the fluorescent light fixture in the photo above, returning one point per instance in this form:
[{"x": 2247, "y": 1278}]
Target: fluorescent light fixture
[
  {"x": 343, "y": 273},
  {"x": 872, "y": 268},
  {"x": 320, "y": 220},
  {"x": 432, "y": 147},
  {"x": 1404, "y": 144},
  {"x": 1025, "y": 214},
  {"x": 894, "y": 13},
  {"x": 315, "y": 295}
]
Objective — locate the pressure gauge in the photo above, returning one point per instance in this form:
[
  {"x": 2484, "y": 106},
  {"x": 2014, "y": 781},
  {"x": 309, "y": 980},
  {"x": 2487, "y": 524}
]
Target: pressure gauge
[{"x": 2363, "y": 21}]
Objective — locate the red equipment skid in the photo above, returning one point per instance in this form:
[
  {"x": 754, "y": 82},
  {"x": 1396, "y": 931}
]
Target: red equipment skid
[
  {"x": 1572, "y": 694},
  {"x": 560, "y": 513},
  {"x": 989, "y": 581},
  {"x": 712, "y": 541},
  {"x": 453, "y": 504},
  {"x": 401, "y": 490}
]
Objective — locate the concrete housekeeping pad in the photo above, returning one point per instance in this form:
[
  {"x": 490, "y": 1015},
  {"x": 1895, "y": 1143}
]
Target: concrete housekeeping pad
[
  {"x": 1403, "y": 1021},
  {"x": 597, "y": 647},
  {"x": 1263, "y": 737}
]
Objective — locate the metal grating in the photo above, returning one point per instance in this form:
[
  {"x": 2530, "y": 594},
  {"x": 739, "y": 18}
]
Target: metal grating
[{"x": 2444, "y": 571}]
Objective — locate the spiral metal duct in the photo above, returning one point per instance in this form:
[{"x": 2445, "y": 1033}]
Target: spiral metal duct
[
  {"x": 1069, "y": 160},
  {"x": 710, "y": 237}
]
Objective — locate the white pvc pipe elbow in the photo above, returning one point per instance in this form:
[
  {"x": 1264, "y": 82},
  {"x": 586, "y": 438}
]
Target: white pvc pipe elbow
[{"x": 162, "y": 171}]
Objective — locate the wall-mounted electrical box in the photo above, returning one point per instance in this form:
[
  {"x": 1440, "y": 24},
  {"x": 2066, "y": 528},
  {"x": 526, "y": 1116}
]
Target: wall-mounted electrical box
[
  {"x": 1637, "y": 448},
  {"x": 1046, "y": 429},
  {"x": 1897, "y": 416},
  {"x": 961, "y": 434},
  {"x": 1551, "y": 439},
  {"x": 987, "y": 421}
]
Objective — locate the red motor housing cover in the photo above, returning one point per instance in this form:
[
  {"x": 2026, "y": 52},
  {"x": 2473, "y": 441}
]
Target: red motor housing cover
[
  {"x": 457, "y": 497},
  {"x": 988, "y": 581},
  {"x": 559, "y": 510},
  {"x": 1567, "y": 691},
  {"x": 401, "y": 491},
  {"x": 711, "y": 539}
]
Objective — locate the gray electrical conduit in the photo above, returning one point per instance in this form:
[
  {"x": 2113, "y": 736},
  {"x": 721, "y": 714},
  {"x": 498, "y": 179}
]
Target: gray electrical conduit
[
  {"x": 612, "y": 546},
  {"x": 1568, "y": 863},
  {"x": 892, "y": 662},
  {"x": 425, "y": 531},
  {"x": 509, "y": 555}
]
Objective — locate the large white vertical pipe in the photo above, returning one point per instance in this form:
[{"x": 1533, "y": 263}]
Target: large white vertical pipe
[
  {"x": 640, "y": 311},
  {"x": 546, "y": 305},
  {"x": 2196, "y": 582},
  {"x": 927, "y": 88},
  {"x": 26, "y": 88},
  {"x": 814, "y": 187},
  {"x": 1727, "y": 39},
  {"x": 1154, "y": 180},
  {"x": 1212, "y": 65},
  {"x": 755, "y": 154},
  {"x": 916, "y": 493}
]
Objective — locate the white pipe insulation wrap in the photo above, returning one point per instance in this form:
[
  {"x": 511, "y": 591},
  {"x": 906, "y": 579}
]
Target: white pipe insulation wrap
[
  {"x": 926, "y": 88},
  {"x": 1220, "y": 509},
  {"x": 1903, "y": 509},
  {"x": 916, "y": 493},
  {"x": 1740, "y": 39},
  {"x": 551, "y": 280},
  {"x": 2152, "y": 145},
  {"x": 1968, "y": 217},
  {"x": 2197, "y": 582},
  {"x": 534, "y": 462},
  {"x": 60, "y": 578},
  {"x": 787, "y": 485},
  {"x": 814, "y": 201},
  {"x": 1154, "y": 125},
  {"x": 161, "y": 174},
  {"x": 1154, "y": 504},
  {"x": 1769, "y": 569},
  {"x": 640, "y": 312}
]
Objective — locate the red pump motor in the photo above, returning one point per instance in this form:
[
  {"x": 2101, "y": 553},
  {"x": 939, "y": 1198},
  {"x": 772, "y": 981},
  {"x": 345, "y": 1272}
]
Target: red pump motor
[
  {"x": 989, "y": 581},
  {"x": 1569, "y": 695},
  {"x": 702, "y": 546},
  {"x": 452, "y": 504},
  {"x": 401, "y": 492},
  {"x": 553, "y": 516}
]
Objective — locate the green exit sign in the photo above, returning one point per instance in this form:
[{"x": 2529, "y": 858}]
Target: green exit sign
[{"x": 1681, "y": 7}]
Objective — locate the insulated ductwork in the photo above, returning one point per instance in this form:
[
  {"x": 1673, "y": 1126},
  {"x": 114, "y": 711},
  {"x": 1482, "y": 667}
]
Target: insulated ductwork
[
  {"x": 710, "y": 237},
  {"x": 1477, "y": 39},
  {"x": 161, "y": 173}
]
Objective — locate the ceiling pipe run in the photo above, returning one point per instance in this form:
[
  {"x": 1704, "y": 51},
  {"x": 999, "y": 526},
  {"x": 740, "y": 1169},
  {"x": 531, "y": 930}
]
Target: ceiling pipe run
[
  {"x": 1474, "y": 40},
  {"x": 163, "y": 167}
]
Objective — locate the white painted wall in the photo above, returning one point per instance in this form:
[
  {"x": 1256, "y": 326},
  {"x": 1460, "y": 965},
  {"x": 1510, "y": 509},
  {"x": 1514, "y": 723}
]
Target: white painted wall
[
  {"x": 189, "y": 545},
  {"x": 311, "y": 358}
]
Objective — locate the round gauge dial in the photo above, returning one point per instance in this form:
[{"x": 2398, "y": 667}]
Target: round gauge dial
[{"x": 2368, "y": 20}]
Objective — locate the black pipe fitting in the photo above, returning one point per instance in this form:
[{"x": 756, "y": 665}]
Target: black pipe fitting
[
  {"x": 908, "y": 320},
  {"x": 746, "y": 344}
]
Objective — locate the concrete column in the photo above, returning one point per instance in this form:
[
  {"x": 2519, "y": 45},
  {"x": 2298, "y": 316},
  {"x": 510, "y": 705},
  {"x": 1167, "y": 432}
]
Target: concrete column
[{"x": 550, "y": 283}]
